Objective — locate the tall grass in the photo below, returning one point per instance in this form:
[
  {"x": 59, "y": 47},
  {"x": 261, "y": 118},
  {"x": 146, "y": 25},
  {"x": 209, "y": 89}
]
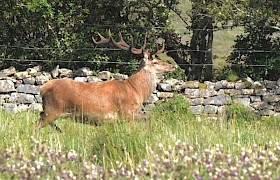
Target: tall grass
[{"x": 129, "y": 143}]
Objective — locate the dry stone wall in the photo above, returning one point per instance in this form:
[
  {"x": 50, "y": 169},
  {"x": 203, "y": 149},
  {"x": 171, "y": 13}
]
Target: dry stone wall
[{"x": 20, "y": 91}]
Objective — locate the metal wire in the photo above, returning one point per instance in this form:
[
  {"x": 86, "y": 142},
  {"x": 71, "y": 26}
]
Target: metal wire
[
  {"x": 115, "y": 49},
  {"x": 126, "y": 63}
]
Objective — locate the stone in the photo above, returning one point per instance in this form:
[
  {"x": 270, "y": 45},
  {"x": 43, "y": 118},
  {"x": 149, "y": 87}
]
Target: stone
[
  {"x": 38, "y": 98},
  {"x": 192, "y": 84},
  {"x": 192, "y": 93},
  {"x": 196, "y": 110},
  {"x": 152, "y": 99},
  {"x": 80, "y": 79},
  {"x": 119, "y": 76},
  {"x": 30, "y": 80},
  {"x": 28, "y": 88},
  {"x": 231, "y": 92},
  {"x": 277, "y": 115},
  {"x": 267, "y": 112},
  {"x": 261, "y": 105},
  {"x": 83, "y": 72},
  {"x": 277, "y": 91},
  {"x": 278, "y": 82},
  {"x": 25, "y": 98},
  {"x": 21, "y": 98},
  {"x": 196, "y": 101},
  {"x": 222, "y": 110},
  {"x": 22, "y": 107},
  {"x": 210, "y": 109},
  {"x": 41, "y": 79},
  {"x": 255, "y": 98},
  {"x": 260, "y": 92},
  {"x": 93, "y": 79},
  {"x": 7, "y": 72},
  {"x": 244, "y": 101},
  {"x": 230, "y": 85},
  {"x": 164, "y": 87},
  {"x": 164, "y": 95},
  {"x": 7, "y": 86},
  {"x": 270, "y": 84},
  {"x": 36, "y": 107},
  {"x": 34, "y": 71},
  {"x": 22, "y": 75},
  {"x": 208, "y": 92},
  {"x": 104, "y": 75},
  {"x": 257, "y": 85},
  {"x": 10, "y": 107},
  {"x": 210, "y": 85},
  {"x": 178, "y": 87},
  {"x": 247, "y": 91},
  {"x": 271, "y": 98},
  {"x": 218, "y": 100},
  {"x": 13, "y": 97},
  {"x": 240, "y": 85},
  {"x": 218, "y": 85},
  {"x": 172, "y": 82},
  {"x": 3, "y": 98},
  {"x": 277, "y": 107},
  {"x": 65, "y": 73},
  {"x": 148, "y": 107},
  {"x": 55, "y": 72}
]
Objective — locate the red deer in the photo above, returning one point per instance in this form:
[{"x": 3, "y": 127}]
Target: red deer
[{"x": 107, "y": 100}]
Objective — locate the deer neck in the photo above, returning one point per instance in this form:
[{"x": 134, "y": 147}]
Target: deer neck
[{"x": 143, "y": 82}]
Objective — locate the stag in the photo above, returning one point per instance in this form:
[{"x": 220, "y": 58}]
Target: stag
[{"x": 108, "y": 100}]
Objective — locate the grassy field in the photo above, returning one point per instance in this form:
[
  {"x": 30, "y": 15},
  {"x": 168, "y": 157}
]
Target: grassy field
[{"x": 171, "y": 144}]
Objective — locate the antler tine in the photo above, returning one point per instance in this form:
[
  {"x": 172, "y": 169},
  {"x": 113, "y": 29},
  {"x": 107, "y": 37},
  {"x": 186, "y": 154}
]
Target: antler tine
[
  {"x": 145, "y": 42},
  {"x": 160, "y": 50},
  {"x": 103, "y": 40},
  {"x": 142, "y": 49},
  {"x": 121, "y": 44}
]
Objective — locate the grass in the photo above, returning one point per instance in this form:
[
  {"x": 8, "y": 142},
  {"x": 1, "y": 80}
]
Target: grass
[{"x": 131, "y": 144}]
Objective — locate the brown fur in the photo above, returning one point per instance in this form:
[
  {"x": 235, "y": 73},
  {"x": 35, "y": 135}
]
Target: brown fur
[{"x": 102, "y": 100}]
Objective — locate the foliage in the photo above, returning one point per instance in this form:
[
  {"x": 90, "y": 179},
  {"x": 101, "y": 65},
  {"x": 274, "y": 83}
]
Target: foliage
[
  {"x": 47, "y": 33},
  {"x": 259, "y": 45},
  {"x": 59, "y": 32},
  {"x": 178, "y": 73},
  {"x": 240, "y": 113}
]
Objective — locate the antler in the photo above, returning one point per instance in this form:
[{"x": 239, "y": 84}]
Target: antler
[
  {"x": 160, "y": 50},
  {"x": 123, "y": 45},
  {"x": 103, "y": 40},
  {"x": 120, "y": 44}
]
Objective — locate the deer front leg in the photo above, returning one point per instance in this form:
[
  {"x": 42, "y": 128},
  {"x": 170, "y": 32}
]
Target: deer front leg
[{"x": 47, "y": 119}]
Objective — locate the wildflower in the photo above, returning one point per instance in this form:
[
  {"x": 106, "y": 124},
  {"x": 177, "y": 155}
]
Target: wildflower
[
  {"x": 71, "y": 155},
  {"x": 145, "y": 163},
  {"x": 160, "y": 146},
  {"x": 207, "y": 151}
]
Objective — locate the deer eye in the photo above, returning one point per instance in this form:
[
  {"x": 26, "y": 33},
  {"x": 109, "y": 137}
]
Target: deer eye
[{"x": 155, "y": 62}]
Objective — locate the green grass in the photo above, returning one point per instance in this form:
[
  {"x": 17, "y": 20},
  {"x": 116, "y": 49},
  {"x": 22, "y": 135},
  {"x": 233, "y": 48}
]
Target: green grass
[{"x": 129, "y": 142}]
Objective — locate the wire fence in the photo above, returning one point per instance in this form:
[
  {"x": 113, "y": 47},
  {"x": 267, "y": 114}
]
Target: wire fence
[
  {"x": 116, "y": 49},
  {"x": 128, "y": 63},
  {"x": 92, "y": 48}
]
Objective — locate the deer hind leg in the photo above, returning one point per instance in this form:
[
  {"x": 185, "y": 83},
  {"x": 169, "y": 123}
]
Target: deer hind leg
[
  {"x": 47, "y": 117},
  {"x": 135, "y": 115}
]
